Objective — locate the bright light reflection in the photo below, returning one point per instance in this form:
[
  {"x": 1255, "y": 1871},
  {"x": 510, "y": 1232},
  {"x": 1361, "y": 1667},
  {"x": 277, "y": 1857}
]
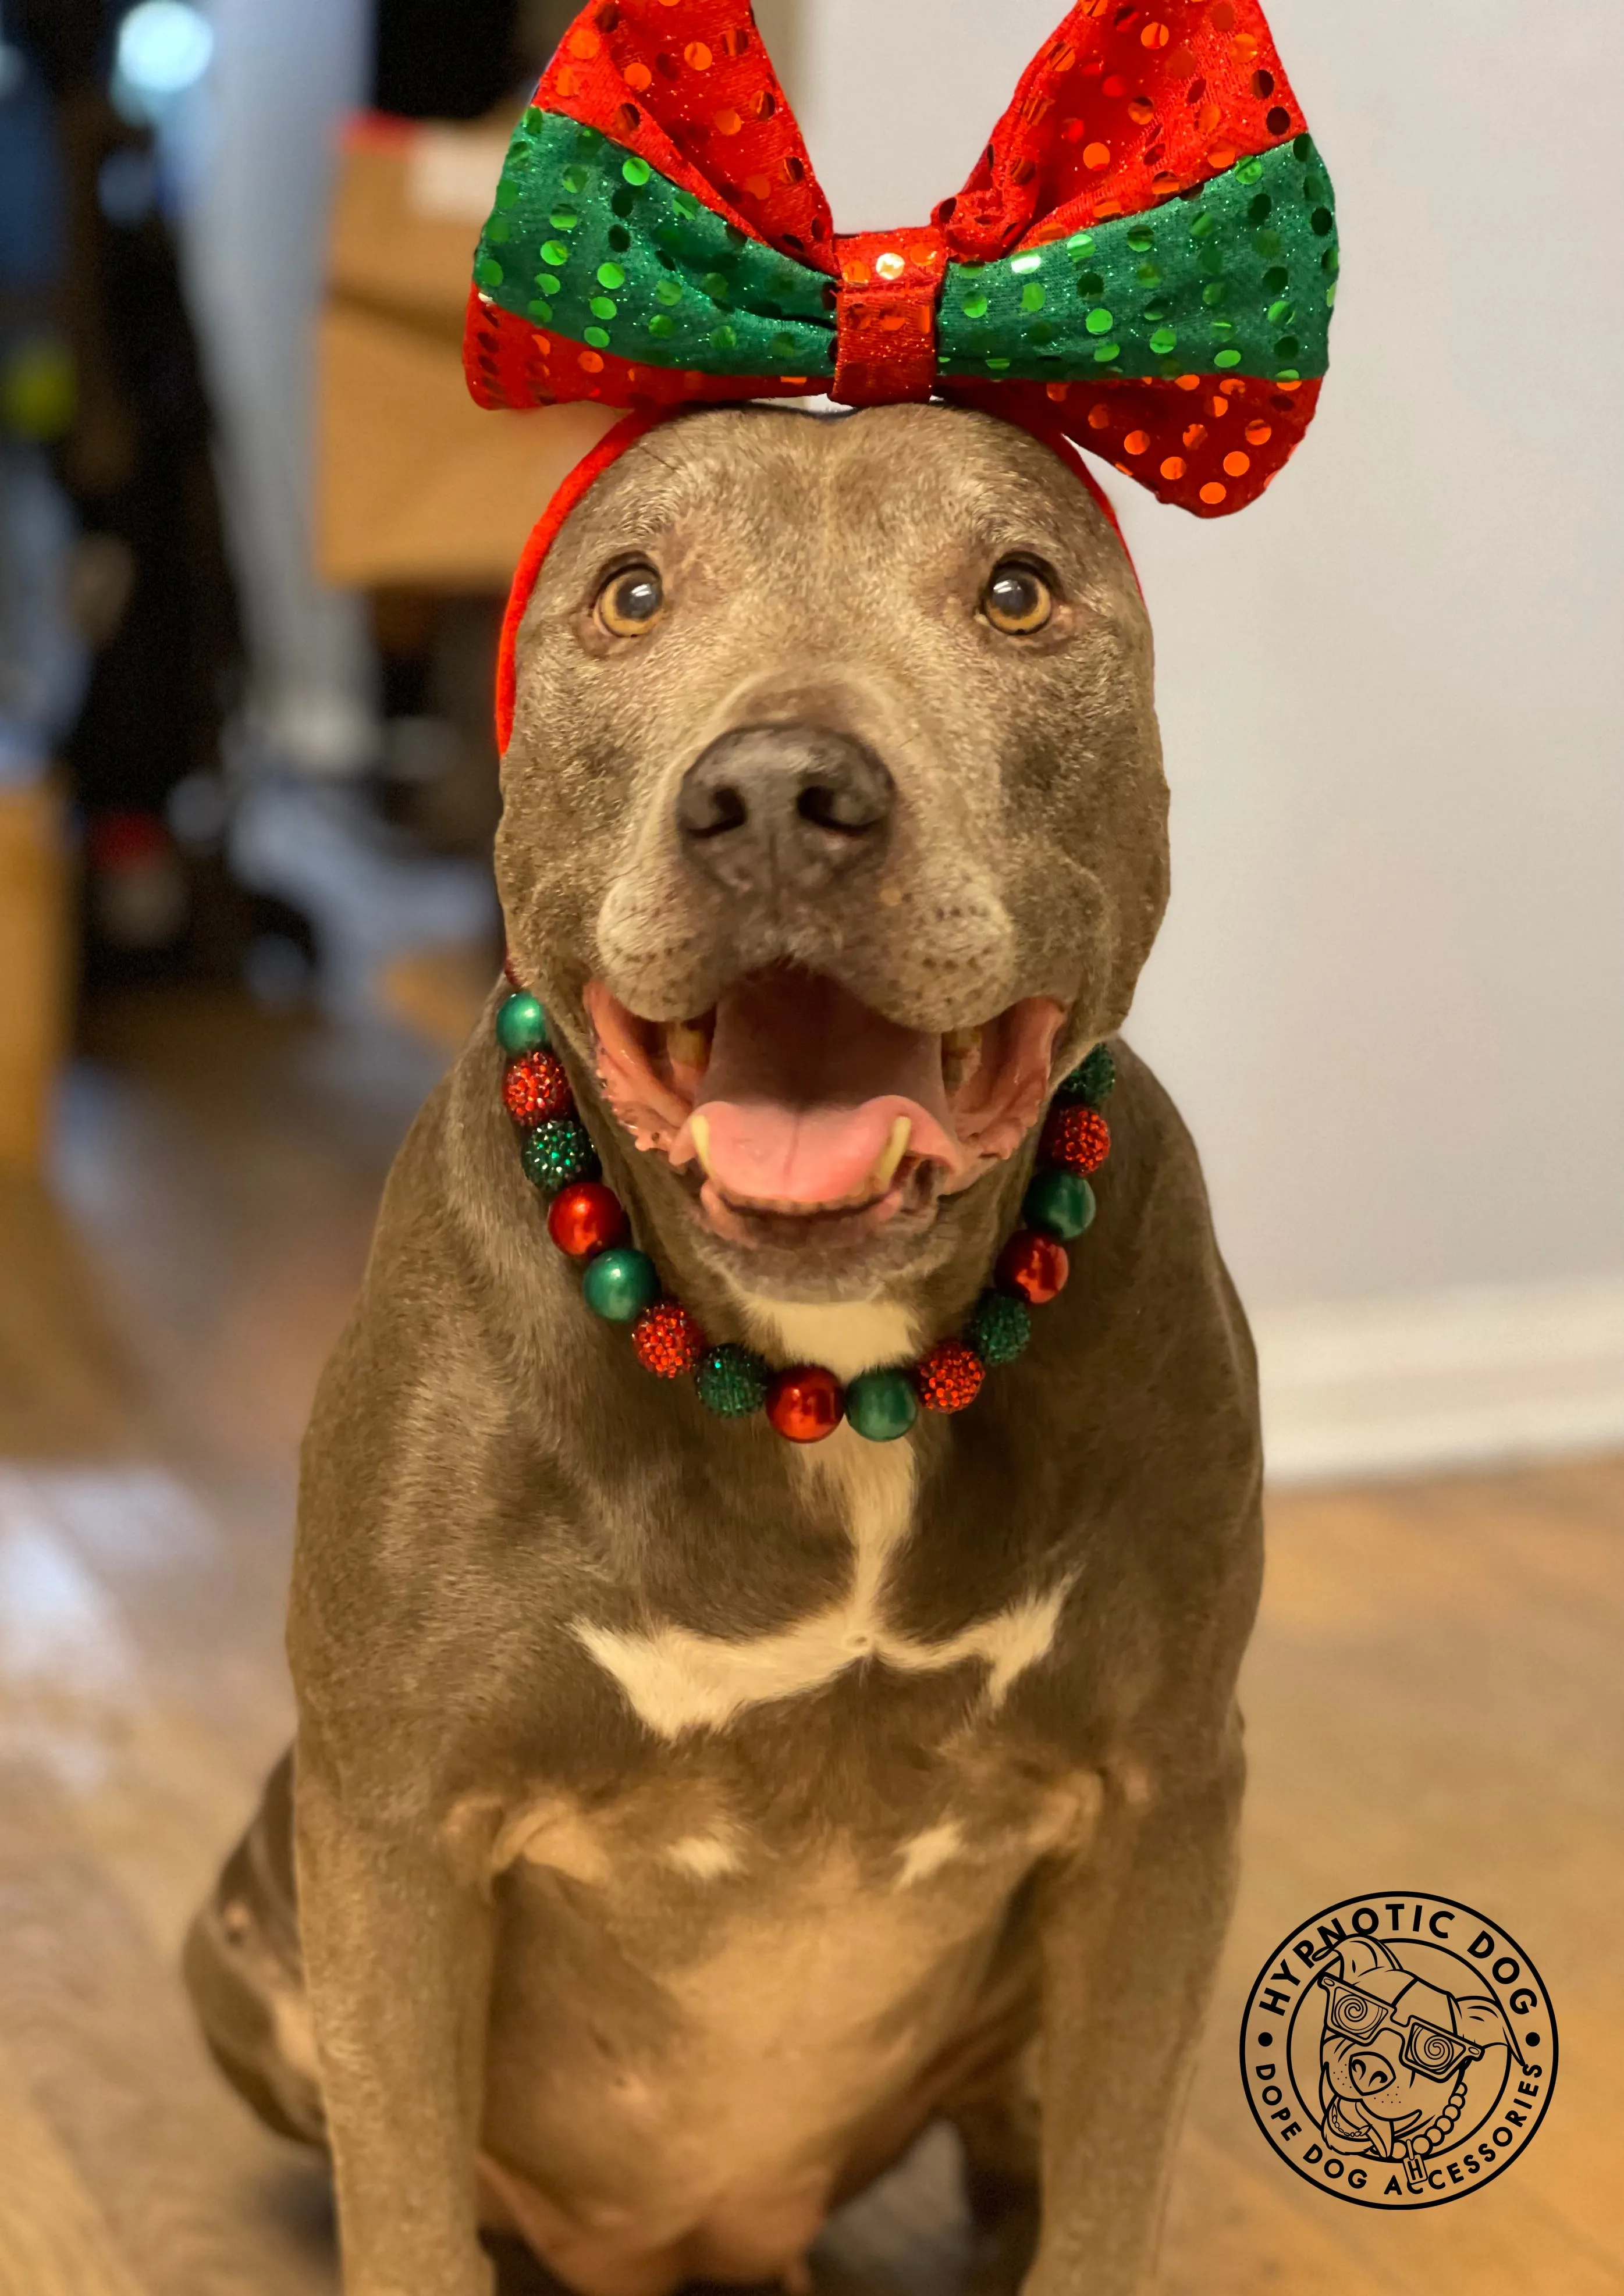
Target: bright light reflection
[{"x": 164, "y": 46}]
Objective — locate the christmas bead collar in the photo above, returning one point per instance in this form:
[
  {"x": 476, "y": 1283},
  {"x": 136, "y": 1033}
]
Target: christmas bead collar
[{"x": 805, "y": 1402}]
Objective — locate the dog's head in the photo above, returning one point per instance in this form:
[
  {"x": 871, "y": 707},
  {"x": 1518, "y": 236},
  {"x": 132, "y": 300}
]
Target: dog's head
[{"x": 835, "y": 821}]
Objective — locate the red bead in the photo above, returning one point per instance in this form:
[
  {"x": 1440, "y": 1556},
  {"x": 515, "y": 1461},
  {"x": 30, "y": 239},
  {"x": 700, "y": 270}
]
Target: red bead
[
  {"x": 950, "y": 1376},
  {"x": 1035, "y": 1265},
  {"x": 666, "y": 1341},
  {"x": 536, "y": 1089},
  {"x": 806, "y": 1404},
  {"x": 1077, "y": 1139},
  {"x": 586, "y": 1219}
]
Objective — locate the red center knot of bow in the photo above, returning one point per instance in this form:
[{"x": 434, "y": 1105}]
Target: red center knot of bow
[{"x": 885, "y": 315}]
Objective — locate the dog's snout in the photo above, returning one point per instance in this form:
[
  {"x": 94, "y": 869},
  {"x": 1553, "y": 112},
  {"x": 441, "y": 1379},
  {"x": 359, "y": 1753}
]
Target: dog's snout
[{"x": 770, "y": 806}]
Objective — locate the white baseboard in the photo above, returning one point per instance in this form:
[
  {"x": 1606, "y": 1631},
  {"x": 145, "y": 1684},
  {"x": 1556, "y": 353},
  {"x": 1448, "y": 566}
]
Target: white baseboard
[{"x": 1479, "y": 1376}]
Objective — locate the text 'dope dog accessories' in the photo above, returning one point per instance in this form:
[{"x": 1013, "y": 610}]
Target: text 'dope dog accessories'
[{"x": 1144, "y": 259}]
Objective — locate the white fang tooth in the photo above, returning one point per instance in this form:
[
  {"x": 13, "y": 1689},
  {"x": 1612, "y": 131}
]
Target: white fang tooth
[
  {"x": 895, "y": 1148},
  {"x": 686, "y": 1045},
  {"x": 699, "y": 1132}
]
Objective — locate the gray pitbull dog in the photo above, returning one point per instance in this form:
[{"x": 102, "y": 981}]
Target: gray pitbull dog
[{"x": 682, "y": 1818}]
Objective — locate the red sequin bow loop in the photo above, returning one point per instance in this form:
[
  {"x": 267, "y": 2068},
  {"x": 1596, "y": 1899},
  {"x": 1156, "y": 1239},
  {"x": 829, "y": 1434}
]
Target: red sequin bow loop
[{"x": 1144, "y": 259}]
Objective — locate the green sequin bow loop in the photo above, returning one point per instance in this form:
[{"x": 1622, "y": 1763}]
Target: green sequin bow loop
[{"x": 1238, "y": 276}]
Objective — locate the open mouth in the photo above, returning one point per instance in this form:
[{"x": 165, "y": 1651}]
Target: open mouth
[{"x": 792, "y": 1104}]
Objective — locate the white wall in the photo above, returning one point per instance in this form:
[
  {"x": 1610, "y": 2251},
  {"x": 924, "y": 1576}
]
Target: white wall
[{"x": 1389, "y": 995}]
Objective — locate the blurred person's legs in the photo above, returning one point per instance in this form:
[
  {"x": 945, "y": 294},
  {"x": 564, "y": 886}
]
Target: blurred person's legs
[{"x": 304, "y": 829}]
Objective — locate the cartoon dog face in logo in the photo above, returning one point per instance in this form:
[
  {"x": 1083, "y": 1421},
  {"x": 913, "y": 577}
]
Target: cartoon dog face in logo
[{"x": 1396, "y": 2054}]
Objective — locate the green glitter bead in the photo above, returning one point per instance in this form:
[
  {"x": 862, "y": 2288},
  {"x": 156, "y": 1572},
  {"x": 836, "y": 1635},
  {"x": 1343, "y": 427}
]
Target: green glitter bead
[
  {"x": 609, "y": 274},
  {"x": 659, "y": 324},
  {"x": 619, "y": 1285},
  {"x": 1092, "y": 1080},
  {"x": 974, "y": 307},
  {"x": 575, "y": 177},
  {"x": 1226, "y": 358},
  {"x": 1032, "y": 297},
  {"x": 539, "y": 311},
  {"x": 558, "y": 1152},
  {"x": 553, "y": 250},
  {"x": 731, "y": 1381},
  {"x": 1099, "y": 323},
  {"x": 602, "y": 307},
  {"x": 635, "y": 171},
  {"x": 521, "y": 1025},
  {"x": 597, "y": 336},
  {"x": 563, "y": 218},
  {"x": 1060, "y": 1204},
  {"x": 999, "y": 1327},
  {"x": 1107, "y": 352},
  {"x": 1163, "y": 340},
  {"x": 1020, "y": 264},
  {"x": 489, "y": 271},
  {"x": 881, "y": 1404}
]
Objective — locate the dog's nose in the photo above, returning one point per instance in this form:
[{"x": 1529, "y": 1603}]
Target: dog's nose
[{"x": 765, "y": 808}]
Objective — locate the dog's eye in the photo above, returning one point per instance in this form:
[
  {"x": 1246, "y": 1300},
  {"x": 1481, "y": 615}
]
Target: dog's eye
[
  {"x": 629, "y": 603},
  {"x": 1017, "y": 600}
]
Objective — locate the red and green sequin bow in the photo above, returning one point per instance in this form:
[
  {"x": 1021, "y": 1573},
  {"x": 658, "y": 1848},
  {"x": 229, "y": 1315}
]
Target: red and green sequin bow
[{"x": 1145, "y": 257}]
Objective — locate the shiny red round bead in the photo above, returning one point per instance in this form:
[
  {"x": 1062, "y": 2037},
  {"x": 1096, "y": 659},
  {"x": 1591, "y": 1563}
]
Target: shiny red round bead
[
  {"x": 586, "y": 1219},
  {"x": 1077, "y": 1139},
  {"x": 536, "y": 1089},
  {"x": 1035, "y": 1265},
  {"x": 666, "y": 1341},
  {"x": 806, "y": 1403},
  {"x": 949, "y": 1378}
]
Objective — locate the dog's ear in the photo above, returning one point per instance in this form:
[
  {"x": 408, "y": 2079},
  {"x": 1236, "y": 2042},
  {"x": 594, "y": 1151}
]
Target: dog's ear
[{"x": 1480, "y": 2018}]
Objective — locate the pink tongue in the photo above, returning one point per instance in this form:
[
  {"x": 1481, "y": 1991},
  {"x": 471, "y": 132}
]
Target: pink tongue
[{"x": 804, "y": 1085}]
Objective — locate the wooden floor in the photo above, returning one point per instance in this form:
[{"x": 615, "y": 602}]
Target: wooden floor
[{"x": 1435, "y": 1699}]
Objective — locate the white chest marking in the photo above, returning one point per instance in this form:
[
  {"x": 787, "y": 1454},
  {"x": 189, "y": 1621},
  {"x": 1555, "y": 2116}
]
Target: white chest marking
[
  {"x": 676, "y": 1680},
  {"x": 927, "y": 1852}
]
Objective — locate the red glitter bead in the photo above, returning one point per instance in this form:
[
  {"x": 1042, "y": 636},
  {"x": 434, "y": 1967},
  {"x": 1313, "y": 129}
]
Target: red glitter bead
[
  {"x": 950, "y": 1376},
  {"x": 536, "y": 1089},
  {"x": 1077, "y": 1139},
  {"x": 586, "y": 1219},
  {"x": 806, "y": 1404},
  {"x": 666, "y": 1340},
  {"x": 1035, "y": 1265}
]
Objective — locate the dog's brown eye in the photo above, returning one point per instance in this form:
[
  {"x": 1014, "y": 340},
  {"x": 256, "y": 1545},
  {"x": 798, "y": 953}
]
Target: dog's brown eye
[
  {"x": 630, "y": 601},
  {"x": 1017, "y": 600}
]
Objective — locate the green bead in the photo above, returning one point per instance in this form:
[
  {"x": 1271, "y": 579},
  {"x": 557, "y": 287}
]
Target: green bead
[
  {"x": 558, "y": 1152},
  {"x": 487, "y": 271},
  {"x": 999, "y": 1327},
  {"x": 635, "y": 171},
  {"x": 731, "y": 1381},
  {"x": 1060, "y": 1204},
  {"x": 521, "y": 1025},
  {"x": 1099, "y": 323},
  {"x": 881, "y": 1404},
  {"x": 619, "y": 1285},
  {"x": 1091, "y": 1081}
]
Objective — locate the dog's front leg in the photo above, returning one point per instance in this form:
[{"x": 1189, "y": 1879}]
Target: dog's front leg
[
  {"x": 397, "y": 1955},
  {"x": 1129, "y": 1936}
]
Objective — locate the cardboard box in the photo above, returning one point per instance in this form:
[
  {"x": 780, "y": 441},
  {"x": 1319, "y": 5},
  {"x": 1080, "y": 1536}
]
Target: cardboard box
[{"x": 416, "y": 485}]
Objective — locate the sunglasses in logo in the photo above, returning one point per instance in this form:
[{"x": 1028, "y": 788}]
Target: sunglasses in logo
[{"x": 1359, "y": 2016}]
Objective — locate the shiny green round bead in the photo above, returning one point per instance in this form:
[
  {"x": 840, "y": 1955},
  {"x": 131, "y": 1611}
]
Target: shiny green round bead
[
  {"x": 1091, "y": 1080},
  {"x": 1060, "y": 1204},
  {"x": 619, "y": 1285},
  {"x": 731, "y": 1381},
  {"x": 999, "y": 1327},
  {"x": 635, "y": 171},
  {"x": 487, "y": 271},
  {"x": 521, "y": 1025},
  {"x": 881, "y": 1404},
  {"x": 559, "y": 1153}
]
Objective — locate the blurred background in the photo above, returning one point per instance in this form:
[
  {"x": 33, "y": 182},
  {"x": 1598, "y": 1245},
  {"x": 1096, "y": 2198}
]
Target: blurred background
[{"x": 253, "y": 545}]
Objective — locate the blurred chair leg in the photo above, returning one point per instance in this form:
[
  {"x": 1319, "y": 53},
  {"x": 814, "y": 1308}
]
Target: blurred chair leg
[{"x": 34, "y": 968}]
